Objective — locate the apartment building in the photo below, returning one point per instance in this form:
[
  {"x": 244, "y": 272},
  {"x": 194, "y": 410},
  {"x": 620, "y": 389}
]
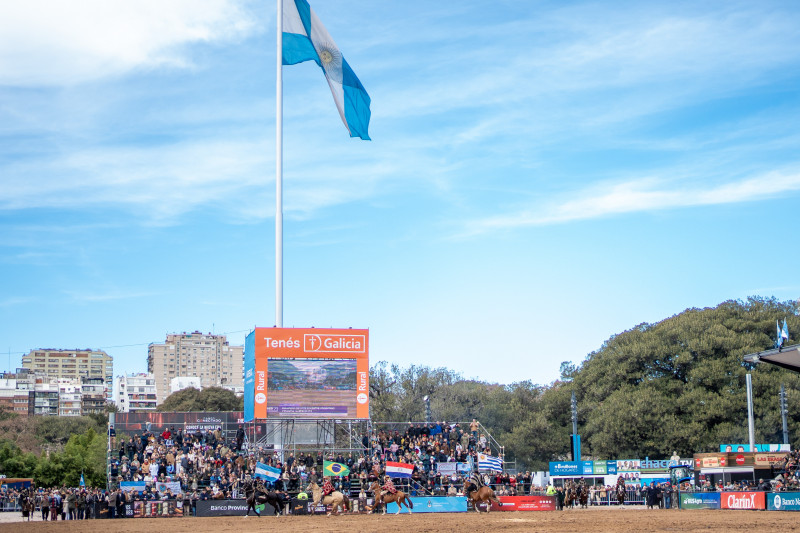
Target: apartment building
[
  {"x": 135, "y": 392},
  {"x": 72, "y": 365},
  {"x": 205, "y": 356}
]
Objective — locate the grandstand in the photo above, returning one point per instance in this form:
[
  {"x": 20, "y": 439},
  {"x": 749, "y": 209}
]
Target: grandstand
[{"x": 363, "y": 445}]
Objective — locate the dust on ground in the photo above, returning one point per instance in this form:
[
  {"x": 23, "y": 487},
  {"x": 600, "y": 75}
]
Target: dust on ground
[{"x": 595, "y": 520}]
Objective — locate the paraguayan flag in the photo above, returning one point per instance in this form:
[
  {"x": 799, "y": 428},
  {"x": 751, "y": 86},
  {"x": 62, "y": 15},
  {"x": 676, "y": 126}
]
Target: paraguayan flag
[{"x": 306, "y": 39}]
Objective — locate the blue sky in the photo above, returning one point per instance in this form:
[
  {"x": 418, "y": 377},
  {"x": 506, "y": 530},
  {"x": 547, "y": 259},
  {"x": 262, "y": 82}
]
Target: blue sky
[{"x": 542, "y": 175}]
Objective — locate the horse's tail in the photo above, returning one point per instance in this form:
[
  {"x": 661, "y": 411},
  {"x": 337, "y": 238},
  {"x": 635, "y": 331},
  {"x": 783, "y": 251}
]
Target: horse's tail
[
  {"x": 346, "y": 502},
  {"x": 410, "y": 503}
]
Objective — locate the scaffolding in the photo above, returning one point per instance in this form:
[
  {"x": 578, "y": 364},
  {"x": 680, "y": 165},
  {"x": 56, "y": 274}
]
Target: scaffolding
[{"x": 308, "y": 435}]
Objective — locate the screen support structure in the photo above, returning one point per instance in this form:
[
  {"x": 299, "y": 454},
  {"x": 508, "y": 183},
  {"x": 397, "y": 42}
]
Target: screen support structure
[{"x": 308, "y": 435}]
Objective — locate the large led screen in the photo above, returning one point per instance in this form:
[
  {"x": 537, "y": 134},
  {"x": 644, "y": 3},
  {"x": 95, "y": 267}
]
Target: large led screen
[{"x": 318, "y": 388}]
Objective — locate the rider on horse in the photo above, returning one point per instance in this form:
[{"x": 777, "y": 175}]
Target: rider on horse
[
  {"x": 474, "y": 482},
  {"x": 388, "y": 486},
  {"x": 327, "y": 487}
]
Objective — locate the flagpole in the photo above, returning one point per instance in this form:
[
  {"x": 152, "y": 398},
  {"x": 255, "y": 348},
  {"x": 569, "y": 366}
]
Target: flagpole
[{"x": 279, "y": 172}]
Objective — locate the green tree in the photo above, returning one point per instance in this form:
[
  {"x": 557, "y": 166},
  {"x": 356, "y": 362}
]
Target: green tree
[
  {"x": 208, "y": 399},
  {"x": 57, "y": 430},
  {"x": 14, "y": 462}
]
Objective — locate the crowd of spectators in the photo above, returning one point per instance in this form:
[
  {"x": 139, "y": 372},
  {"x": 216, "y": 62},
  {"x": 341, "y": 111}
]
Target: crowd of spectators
[{"x": 205, "y": 463}]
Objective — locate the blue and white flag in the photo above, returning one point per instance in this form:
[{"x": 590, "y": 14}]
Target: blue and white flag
[
  {"x": 306, "y": 39},
  {"x": 487, "y": 462},
  {"x": 83, "y": 483},
  {"x": 785, "y": 331},
  {"x": 779, "y": 340},
  {"x": 266, "y": 472}
]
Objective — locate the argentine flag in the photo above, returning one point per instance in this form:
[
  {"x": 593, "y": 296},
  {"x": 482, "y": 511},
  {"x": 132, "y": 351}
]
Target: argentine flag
[
  {"x": 266, "y": 472},
  {"x": 785, "y": 331},
  {"x": 306, "y": 39}
]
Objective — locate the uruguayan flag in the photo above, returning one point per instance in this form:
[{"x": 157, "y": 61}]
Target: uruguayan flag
[
  {"x": 306, "y": 39},
  {"x": 487, "y": 462},
  {"x": 266, "y": 472}
]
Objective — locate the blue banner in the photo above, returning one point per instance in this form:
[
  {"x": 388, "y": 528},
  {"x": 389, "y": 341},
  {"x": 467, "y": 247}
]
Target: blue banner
[
  {"x": 700, "y": 500},
  {"x": 565, "y": 468},
  {"x": 572, "y": 468},
  {"x": 783, "y": 501},
  {"x": 433, "y": 504},
  {"x": 611, "y": 467},
  {"x": 249, "y": 375}
]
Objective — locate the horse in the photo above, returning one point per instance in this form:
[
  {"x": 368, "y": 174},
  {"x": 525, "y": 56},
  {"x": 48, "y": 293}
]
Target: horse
[
  {"x": 483, "y": 494},
  {"x": 337, "y": 500},
  {"x": 256, "y": 495},
  {"x": 26, "y": 501},
  {"x": 621, "y": 493},
  {"x": 399, "y": 497},
  {"x": 583, "y": 496},
  {"x": 570, "y": 495}
]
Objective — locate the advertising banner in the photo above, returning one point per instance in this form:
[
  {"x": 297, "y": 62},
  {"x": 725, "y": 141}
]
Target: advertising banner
[
  {"x": 611, "y": 467},
  {"x": 434, "y": 504},
  {"x": 650, "y": 466},
  {"x": 743, "y": 500},
  {"x": 770, "y": 459},
  {"x": 448, "y": 469},
  {"x": 759, "y": 448},
  {"x": 190, "y": 422},
  {"x": 154, "y": 509},
  {"x": 783, "y": 501},
  {"x": 565, "y": 468},
  {"x": 711, "y": 461},
  {"x": 600, "y": 468},
  {"x": 173, "y": 486},
  {"x": 572, "y": 468},
  {"x": 227, "y": 508},
  {"x": 309, "y": 373},
  {"x": 628, "y": 465},
  {"x": 525, "y": 503},
  {"x": 700, "y": 500},
  {"x": 249, "y": 375}
]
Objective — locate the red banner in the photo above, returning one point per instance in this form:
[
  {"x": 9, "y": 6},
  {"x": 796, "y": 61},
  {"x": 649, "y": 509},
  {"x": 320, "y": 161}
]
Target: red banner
[
  {"x": 525, "y": 503},
  {"x": 743, "y": 500}
]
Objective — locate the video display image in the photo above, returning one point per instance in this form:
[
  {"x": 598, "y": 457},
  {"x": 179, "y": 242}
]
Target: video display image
[{"x": 311, "y": 388}]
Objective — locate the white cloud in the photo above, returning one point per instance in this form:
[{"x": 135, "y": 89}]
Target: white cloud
[
  {"x": 641, "y": 195},
  {"x": 52, "y": 42}
]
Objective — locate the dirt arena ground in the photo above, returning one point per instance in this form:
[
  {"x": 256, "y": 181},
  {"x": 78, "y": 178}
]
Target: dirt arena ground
[{"x": 592, "y": 520}]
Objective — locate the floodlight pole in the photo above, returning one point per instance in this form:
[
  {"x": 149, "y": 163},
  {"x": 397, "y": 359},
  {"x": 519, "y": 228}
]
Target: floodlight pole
[
  {"x": 750, "y": 422},
  {"x": 783, "y": 415},
  {"x": 279, "y": 172}
]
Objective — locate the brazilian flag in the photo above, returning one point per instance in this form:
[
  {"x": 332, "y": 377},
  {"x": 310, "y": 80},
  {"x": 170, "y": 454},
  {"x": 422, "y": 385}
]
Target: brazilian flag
[{"x": 330, "y": 468}]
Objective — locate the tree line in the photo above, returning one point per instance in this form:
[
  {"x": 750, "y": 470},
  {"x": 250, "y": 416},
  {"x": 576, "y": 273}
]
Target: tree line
[{"x": 675, "y": 385}]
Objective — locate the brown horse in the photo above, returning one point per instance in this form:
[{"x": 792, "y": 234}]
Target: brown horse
[
  {"x": 621, "y": 493},
  {"x": 27, "y": 503},
  {"x": 399, "y": 497},
  {"x": 484, "y": 494},
  {"x": 583, "y": 496}
]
